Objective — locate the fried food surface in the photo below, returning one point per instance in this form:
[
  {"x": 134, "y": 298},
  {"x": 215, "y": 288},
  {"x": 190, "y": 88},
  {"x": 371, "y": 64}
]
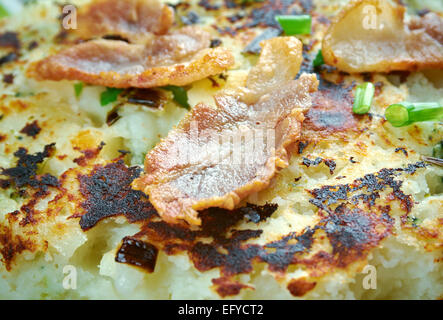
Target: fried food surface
[{"x": 351, "y": 195}]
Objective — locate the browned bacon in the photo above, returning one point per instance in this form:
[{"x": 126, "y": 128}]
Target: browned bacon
[
  {"x": 217, "y": 156},
  {"x": 177, "y": 58},
  {"x": 372, "y": 36},
  {"x": 131, "y": 19}
]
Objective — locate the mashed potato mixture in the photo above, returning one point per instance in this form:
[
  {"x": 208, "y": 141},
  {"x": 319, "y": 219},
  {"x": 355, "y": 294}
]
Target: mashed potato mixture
[{"x": 357, "y": 213}]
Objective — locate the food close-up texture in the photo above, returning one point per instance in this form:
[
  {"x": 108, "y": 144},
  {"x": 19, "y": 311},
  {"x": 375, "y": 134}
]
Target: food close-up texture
[{"x": 203, "y": 149}]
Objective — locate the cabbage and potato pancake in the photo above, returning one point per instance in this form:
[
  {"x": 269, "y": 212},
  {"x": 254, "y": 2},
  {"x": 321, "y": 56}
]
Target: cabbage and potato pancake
[{"x": 93, "y": 118}]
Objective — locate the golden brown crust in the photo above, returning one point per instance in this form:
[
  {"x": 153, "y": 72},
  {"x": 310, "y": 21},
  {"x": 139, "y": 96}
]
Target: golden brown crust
[{"x": 197, "y": 167}]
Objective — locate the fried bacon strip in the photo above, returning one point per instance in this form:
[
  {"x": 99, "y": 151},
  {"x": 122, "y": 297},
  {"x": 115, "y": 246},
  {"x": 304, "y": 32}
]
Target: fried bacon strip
[
  {"x": 372, "y": 36},
  {"x": 177, "y": 58},
  {"x": 131, "y": 19},
  {"x": 217, "y": 156}
]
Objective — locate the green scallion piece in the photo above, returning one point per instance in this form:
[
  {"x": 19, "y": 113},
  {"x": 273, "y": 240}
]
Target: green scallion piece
[
  {"x": 78, "y": 88},
  {"x": 109, "y": 95},
  {"x": 3, "y": 11},
  {"x": 295, "y": 24},
  {"x": 406, "y": 113},
  {"x": 363, "y": 98},
  {"x": 318, "y": 61},
  {"x": 179, "y": 95}
]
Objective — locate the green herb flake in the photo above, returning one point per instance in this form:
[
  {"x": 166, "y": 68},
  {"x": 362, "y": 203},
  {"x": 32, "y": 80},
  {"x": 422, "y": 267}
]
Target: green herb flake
[
  {"x": 3, "y": 11},
  {"x": 109, "y": 95},
  {"x": 295, "y": 24},
  {"x": 78, "y": 88},
  {"x": 179, "y": 95},
  {"x": 318, "y": 61}
]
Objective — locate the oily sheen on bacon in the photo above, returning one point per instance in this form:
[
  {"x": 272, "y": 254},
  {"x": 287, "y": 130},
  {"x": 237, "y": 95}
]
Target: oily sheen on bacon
[
  {"x": 131, "y": 19},
  {"x": 177, "y": 58},
  {"x": 154, "y": 57},
  {"x": 198, "y": 165},
  {"x": 372, "y": 36}
]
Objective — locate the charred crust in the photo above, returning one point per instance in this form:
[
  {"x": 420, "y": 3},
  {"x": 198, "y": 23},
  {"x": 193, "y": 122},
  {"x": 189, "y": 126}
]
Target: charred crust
[
  {"x": 31, "y": 129},
  {"x": 12, "y": 56},
  {"x": 331, "y": 109},
  {"x": 24, "y": 174},
  {"x": 190, "y": 19},
  {"x": 215, "y": 43},
  {"x": 107, "y": 192},
  {"x": 8, "y": 78},
  {"x": 328, "y": 162},
  {"x": 402, "y": 150},
  {"x": 10, "y": 40},
  {"x": 370, "y": 186}
]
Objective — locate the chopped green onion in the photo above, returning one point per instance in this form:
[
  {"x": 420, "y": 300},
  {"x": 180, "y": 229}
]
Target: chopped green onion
[
  {"x": 406, "y": 113},
  {"x": 318, "y": 61},
  {"x": 109, "y": 95},
  {"x": 179, "y": 95},
  {"x": 3, "y": 11},
  {"x": 78, "y": 88},
  {"x": 363, "y": 98},
  {"x": 299, "y": 24}
]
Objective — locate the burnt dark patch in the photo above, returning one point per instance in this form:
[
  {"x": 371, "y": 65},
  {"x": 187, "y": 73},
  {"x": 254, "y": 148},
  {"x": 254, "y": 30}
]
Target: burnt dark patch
[
  {"x": 256, "y": 214},
  {"x": 138, "y": 253},
  {"x": 307, "y": 162},
  {"x": 369, "y": 187},
  {"x": 115, "y": 37},
  {"x": 328, "y": 162},
  {"x": 190, "y": 19},
  {"x": 32, "y": 45},
  {"x": 208, "y": 5},
  {"x": 285, "y": 249},
  {"x": 10, "y": 40},
  {"x": 10, "y": 57},
  {"x": 352, "y": 231},
  {"x": 24, "y": 174},
  {"x": 331, "y": 109},
  {"x": 113, "y": 116},
  {"x": 107, "y": 192},
  {"x": 8, "y": 78},
  {"x": 31, "y": 129},
  {"x": 215, "y": 43},
  {"x": 148, "y": 97},
  {"x": 402, "y": 150},
  {"x": 264, "y": 14},
  {"x": 301, "y": 146}
]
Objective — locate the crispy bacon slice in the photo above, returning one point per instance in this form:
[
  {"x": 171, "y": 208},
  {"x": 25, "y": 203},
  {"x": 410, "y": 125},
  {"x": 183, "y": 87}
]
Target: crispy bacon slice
[
  {"x": 372, "y": 36},
  {"x": 131, "y": 19},
  {"x": 217, "y": 156},
  {"x": 177, "y": 58}
]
